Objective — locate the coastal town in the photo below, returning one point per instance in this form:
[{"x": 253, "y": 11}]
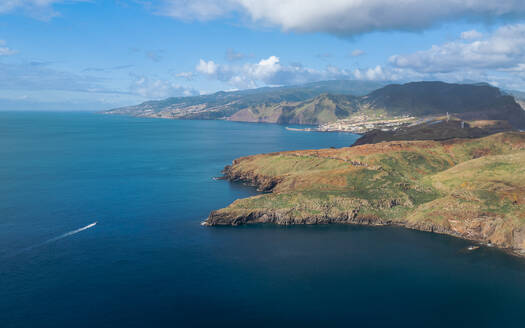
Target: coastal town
[{"x": 361, "y": 124}]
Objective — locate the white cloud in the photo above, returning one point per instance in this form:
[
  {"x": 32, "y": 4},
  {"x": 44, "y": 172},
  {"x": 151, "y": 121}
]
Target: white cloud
[
  {"x": 42, "y": 9},
  {"x": 497, "y": 58},
  {"x": 267, "y": 71},
  {"x": 247, "y": 75},
  {"x": 375, "y": 73},
  {"x": 271, "y": 72},
  {"x": 386, "y": 73},
  {"x": 185, "y": 75},
  {"x": 158, "y": 88},
  {"x": 503, "y": 49},
  {"x": 196, "y": 9},
  {"x": 520, "y": 68},
  {"x": 345, "y": 17},
  {"x": 5, "y": 51},
  {"x": 357, "y": 53},
  {"x": 207, "y": 67},
  {"x": 471, "y": 35},
  {"x": 266, "y": 68}
]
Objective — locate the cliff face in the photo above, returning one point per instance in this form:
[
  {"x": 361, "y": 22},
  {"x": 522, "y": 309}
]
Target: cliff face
[{"x": 473, "y": 189}]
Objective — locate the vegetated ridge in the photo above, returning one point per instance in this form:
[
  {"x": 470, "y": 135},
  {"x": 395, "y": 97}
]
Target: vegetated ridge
[{"x": 468, "y": 188}]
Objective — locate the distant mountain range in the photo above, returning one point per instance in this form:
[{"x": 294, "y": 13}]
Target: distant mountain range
[
  {"x": 223, "y": 104},
  {"x": 329, "y": 101}
]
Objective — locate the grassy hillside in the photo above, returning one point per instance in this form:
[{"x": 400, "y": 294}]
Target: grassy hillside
[
  {"x": 472, "y": 188},
  {"x": 439, "y": 129},
  {"x": 321, "y": 109}
]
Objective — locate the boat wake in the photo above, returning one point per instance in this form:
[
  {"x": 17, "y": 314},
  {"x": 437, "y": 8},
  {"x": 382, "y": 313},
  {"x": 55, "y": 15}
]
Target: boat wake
[{"x": 67, "y": 234}]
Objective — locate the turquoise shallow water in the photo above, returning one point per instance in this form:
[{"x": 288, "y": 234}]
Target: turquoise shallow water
[{"x": 148, "y": 184}]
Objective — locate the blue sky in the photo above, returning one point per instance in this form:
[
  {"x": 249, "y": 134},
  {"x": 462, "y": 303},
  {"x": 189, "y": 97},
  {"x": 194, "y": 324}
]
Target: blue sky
[{"x": 93, "y": 55}]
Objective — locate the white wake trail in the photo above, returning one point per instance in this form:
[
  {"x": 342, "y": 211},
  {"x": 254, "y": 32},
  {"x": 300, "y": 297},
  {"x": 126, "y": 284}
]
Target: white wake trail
[{"x": 67, "y": 234}]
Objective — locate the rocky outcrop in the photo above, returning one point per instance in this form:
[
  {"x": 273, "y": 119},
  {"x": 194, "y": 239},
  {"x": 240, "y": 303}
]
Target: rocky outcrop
[
  {"x": 285, "y": 217},
  {"x": 261, "y": 182},
  {"x": 485, "y": 230}
]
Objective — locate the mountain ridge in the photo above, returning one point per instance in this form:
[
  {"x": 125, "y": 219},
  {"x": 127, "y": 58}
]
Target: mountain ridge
[
  {"x": 224, "y": 103},
  {"x": 317, "y": 103}
]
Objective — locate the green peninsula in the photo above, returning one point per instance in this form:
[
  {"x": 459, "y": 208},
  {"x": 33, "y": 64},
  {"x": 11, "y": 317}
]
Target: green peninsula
[{"x": 469, "y": 188}]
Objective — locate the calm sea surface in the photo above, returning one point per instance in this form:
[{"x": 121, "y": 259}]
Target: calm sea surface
[{"x": 148, "y": 263}]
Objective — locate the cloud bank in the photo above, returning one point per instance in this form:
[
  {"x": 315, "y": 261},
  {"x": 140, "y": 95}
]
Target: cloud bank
[
  {"x": 269, "y": 71},
  {"x": 503, "y": 49},
  {"x": 345, "y": 17},
  {"x": 152, "y": 88},
  {"x": 497, "y": 58}
]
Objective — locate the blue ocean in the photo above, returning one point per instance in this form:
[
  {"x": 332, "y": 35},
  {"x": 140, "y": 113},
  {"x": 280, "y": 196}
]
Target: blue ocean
[{"x": 100, "y": 227}]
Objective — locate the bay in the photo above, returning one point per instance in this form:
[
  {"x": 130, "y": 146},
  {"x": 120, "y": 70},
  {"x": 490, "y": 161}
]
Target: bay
[{"x": 147, "y": 184}]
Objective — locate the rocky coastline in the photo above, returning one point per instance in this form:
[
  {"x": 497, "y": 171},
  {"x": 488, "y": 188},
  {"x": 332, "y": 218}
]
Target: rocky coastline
[
  {"x": 473, "y": 222},
  {"x": 479, "y": 230}
]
